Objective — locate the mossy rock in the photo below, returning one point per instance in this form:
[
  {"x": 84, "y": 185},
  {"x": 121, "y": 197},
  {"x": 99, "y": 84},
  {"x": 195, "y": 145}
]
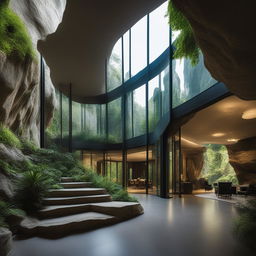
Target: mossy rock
[{"x": 15, "y": 40}]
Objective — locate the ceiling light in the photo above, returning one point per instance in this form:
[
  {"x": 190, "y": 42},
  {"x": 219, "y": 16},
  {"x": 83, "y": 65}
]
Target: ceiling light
[
  {"x": 232, "y": 140},
  {"x": 249, "y": 114},
  {"x": 218, "y": 134}
]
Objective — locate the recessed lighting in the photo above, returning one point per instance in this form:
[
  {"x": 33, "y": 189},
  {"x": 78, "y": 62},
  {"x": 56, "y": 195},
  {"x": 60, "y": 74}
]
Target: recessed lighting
[
  {"x": 249, "y": 114},
  {"x": 218, "y": 134},
  {"x": 232, "y": 140}
]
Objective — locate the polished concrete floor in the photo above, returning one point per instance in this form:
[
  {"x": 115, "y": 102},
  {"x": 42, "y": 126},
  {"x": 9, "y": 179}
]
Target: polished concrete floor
[{"x": 180, "y": 226}]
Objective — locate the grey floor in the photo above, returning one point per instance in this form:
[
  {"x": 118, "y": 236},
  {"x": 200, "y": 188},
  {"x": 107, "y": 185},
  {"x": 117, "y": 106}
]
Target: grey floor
[{"x": 180, "y": 226}]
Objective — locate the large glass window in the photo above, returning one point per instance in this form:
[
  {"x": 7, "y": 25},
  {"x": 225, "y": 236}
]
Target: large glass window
[
  {"x": 165, "y": 90},
  {"x": 139, "y": 111},
  {"x": 189, "y": 81},
  {"x": 139, "y": 46},
  {"x": 154, "y": 97},
  {"x": 126, "y": 40},
  {"x": 114, "y": 121},
  {"x": 129, "y": 115},
  {"x": 65, "y": 115},
  {"x": 115, "y": 67},
  {"x": 159, "y": 31}
]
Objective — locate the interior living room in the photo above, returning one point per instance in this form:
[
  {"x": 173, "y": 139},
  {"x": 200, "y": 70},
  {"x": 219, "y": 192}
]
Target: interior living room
[{"x": 127, "y": 128}]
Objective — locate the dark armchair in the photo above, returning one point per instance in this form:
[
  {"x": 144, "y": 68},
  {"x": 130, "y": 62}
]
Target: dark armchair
[{"x": 224, "y": 189}]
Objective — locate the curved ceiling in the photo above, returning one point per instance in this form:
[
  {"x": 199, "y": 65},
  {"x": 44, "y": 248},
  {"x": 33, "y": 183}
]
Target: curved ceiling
[
  {"x": 223, "y": 119},
  {"x": 77, "y": 51}
]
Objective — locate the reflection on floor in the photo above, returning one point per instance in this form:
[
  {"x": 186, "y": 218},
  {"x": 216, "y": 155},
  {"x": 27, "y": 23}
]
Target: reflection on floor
[
  {"x": 234, "y": 198},
  {"x": 180, "y": 226},
  {"x": 134, "y": 190}
]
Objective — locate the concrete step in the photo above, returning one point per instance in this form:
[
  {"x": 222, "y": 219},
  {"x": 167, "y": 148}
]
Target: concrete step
[
  {"x": 75, "y": 184},
  {"x": 77, "y": 199},
  {"x": 59, "y": 227},
  {"x": 67, "y": 179},
  {"x": 121, "y": 210},
  {"x": 66, "y": 192}
]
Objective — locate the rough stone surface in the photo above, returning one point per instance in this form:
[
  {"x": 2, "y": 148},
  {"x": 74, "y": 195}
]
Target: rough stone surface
[
  {"x": 242, "y": 157},
  {"x": 5, "y": 241},
  {"x": 19, "y": 80},
  {"x": 223, "y": 30},
  {"x": 6, "y": 187},
  {"x": 10, "y": 154},
  {"x": 195, "y": 162}
]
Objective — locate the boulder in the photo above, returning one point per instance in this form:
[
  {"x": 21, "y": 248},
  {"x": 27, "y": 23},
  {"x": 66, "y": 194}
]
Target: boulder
[
  {"x": 5, "y": 241},
  {"x": 223, "y": 31},
  {"x": 242, "y": 157}
]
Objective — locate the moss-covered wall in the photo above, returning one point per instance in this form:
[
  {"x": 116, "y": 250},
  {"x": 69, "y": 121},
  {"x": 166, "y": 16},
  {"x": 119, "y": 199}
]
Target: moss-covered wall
[{"x": 15, "y": 39}]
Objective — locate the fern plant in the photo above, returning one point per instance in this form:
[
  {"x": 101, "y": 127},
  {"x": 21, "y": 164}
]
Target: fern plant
[
  {"x": 31, "y": 188},
  {"x": 185, "y": 44}
]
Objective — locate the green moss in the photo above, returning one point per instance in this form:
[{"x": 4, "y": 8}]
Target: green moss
[
  {"x": 15, "y": 39},
  {"x": 185, "y": 44},
  {"x": 8, "y": 138}
]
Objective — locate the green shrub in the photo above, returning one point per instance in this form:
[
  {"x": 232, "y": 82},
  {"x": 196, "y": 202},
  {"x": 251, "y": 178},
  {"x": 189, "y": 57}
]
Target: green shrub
[
  {"x": 185, "y": 44},
  {"x": 114, "y": 189},
  {"x": 245, "y": 224},
  {"x": 28, "y": 147},
  {"x": 123, "y": 195},
  {"x": 6, "y": 210},
  {"x": 8, "y": 138},
  {"x": 15, "y": 39},
  {"x": 31, "y": 188}
]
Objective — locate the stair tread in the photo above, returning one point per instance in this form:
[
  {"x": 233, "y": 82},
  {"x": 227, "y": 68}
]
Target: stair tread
[
  {"x": 74, "y": 218},
  {"x": 75, "y": 197},
  {"x": 76, "y": 189},
  {"x": 113, "y": 204},
  {"x": 75, "y": 182}
]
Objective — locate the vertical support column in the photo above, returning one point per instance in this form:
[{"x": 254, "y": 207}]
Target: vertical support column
[
  {"x": 42, "y": 103},
  {"x": 164, "y": 165},
  {"x": 106, "y": 89},
  {"x": 61, "y": 122},
  {"x": 147, "y": 119},
  {"x": 180, "y": 162},
  {"x": 123, "y": 111},
  {"x": 70, "y": 119}
]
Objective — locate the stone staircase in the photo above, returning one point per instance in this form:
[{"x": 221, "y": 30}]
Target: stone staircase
[{"x": 77, "y": 207}]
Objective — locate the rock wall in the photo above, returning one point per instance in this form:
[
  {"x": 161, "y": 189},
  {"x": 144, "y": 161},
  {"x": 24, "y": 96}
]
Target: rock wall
[
  {"x": 194, "y": 159},
  {"x": 224, "y": 32},
  {"x": 242, "y": 157},
  {"x": 19, "y": 80}
]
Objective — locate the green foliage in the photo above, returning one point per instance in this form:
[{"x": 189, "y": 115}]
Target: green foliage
[
  {"x": 122, "y": 195},
  {"x": 185, "y": 44},
  {"x": 6, "y": 210},
  {"x": 216, "y": 165},
  {"x": 8, "y": 138},
  {"x": 112, "y": 188},
  {"x": 28, "y": 147},
  {"x": 14, "y": 36},
  {"x": 31, "y": 188},
  {"x": 245, "y": 224}
]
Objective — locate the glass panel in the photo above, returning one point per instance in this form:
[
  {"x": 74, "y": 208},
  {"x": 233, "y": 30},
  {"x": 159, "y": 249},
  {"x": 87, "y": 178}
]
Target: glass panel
[
  {"x": 189, "y": 81},
  {"x": 139, "y": 46},
  {"x": 136, "y": 170},
  {"x": 126, "y": 39},
  {"x": 115, "y": 67},
  {"x": 159, "y": 31},
  {"x": 139, "y": 108},
  {"x": 114, "y": 166},
  {"x": 65, "y": 116},
  {"x": 165, "y": 90},
  {"x": 153, "y": 171},
  {"x": 153, "y": 103},
  {"x": 129, "y": 115},
  {"x": 92, "y": 125},
  {"x": 53, "y": 132},
  {"x": 114, "y": 121},
  {"x": 76, "y": 118}
]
